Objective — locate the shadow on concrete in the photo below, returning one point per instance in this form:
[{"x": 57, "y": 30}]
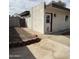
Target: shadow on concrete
[
  {"x": 18, "y": 52},
  {"x": 68, "y": 36},
  {"x": 61, "y": 32},
  {"x": 13, "y": 35}
]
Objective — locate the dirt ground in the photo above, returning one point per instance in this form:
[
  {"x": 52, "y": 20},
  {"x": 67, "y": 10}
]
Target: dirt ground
[{"x": 50, "y": 47}]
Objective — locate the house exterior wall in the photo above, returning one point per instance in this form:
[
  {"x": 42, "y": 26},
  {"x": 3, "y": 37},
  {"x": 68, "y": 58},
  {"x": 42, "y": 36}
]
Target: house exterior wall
[
  {"x": 37, "y": 21},
  {"x": 59, "y": 22},
  {"x": 37, "y": 18},
  {"x": 28, "y": 22}
]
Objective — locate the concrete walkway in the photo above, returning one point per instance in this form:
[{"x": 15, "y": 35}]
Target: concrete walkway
[{"x": 50, "y": 47}]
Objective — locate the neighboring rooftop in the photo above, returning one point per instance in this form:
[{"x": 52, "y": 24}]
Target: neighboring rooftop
[{"x": 25, "y": 13}]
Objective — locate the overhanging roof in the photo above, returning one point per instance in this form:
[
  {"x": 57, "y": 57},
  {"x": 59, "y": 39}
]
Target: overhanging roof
[{"x": 58, "y": 6}]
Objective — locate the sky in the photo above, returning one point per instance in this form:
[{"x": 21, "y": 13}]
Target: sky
[{"x": 18, "y": 6}]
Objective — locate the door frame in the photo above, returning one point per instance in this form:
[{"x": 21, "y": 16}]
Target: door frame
[{"x": 51, "y": 20}]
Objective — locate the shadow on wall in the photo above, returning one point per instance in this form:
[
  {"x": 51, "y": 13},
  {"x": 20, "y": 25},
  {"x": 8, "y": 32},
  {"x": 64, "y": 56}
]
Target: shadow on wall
[
  {"x": 18, "y": 52},
  {"x": 62, "y": 32},
  {"x": 23, "y": 23}
]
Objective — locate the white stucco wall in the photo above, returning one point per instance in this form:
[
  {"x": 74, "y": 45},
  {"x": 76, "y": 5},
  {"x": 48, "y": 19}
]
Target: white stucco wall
[
  {"x": 59, "y": 22},
  {"x": 37, "y": 17},
  {"x": 37, "y": 21}
]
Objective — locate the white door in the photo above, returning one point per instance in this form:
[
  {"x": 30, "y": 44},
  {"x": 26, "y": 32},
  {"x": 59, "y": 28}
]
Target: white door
[{"x": 48, "y": 22}]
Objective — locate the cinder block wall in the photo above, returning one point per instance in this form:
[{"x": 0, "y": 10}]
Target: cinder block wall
[{"x": 14, "y": 22}]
